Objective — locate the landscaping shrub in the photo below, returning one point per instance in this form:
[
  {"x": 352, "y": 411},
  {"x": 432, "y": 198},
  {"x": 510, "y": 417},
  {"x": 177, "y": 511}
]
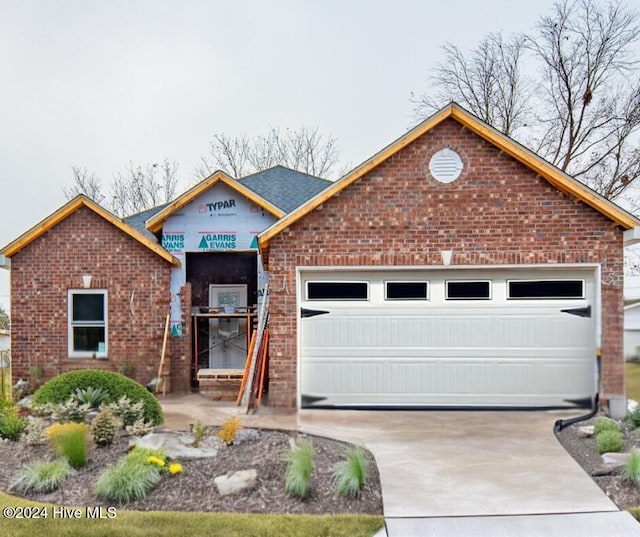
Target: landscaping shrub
[
  {"x": 131, "y": 478},
  {"x": 70, "y": 410},
  {"x": 127, "y": 411},
  {"x": 229, "y": 429},
  {"x": 633, "y": 418},
  {"x": 609, "y": 441},
  {"x": 199, "y": 431},
  {"x": 11, "y": 424},
  {"x": 34, "y": 434},
  {"x": 631, "y": 470},
  {"x": 350, "y": 475},
  {"x": 92, "y": 396},
  {"x": 70, "y": 441},
  {"x": 61, "y": 388},
  {"x": 105, "y": 426},
  {"x": 43, "y": 476},
  {"x": 139, "y": 428},
  {"x": 605, "y": 424},
  {"x": 299, "y": 467}
]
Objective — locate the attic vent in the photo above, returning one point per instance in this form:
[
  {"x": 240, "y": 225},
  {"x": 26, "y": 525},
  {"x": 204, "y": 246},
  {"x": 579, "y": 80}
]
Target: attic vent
[{"x": 446, "y": 165}]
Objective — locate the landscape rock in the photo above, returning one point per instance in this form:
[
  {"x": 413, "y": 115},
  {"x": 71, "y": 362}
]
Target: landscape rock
[
  {"x": 236, "y": 482},
  {"x": 604, "y": 469},
  {"x": 615, "y": 459},
  {"x": 586, "y": 431},
  {"x": 178, "y": 445},
  {"x": 245, "y": 435},
  {"x": 25, "y": 402}
]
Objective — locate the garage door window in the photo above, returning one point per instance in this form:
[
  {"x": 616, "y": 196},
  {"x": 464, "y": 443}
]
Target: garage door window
[
  {"x": 468, "y": 290},
  {"x": 337, "y": 291},
  {"x": 406, "y": 290},
  {"x": 545, "y": 289}
]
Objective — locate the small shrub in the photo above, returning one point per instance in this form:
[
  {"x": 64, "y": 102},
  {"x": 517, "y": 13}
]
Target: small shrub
[
  {"x": 69, "y": 411},
  {"x": 127, "y": 411},
  {"x": 299, "y": 467},
  {"x": 43, "y": 476},
  {"x": 126, "y": 481},
  {"x": 60, "y": 388},
  {"x": 633, "y": 418},
  {"x": 350, "y": 475},
  {"x": 605, "y": 424},
  {"x": 609, "y": 441},
  {"x": 34, "y": 434},
  {"x": 105, "y": 426},
  {"x": 131, "y": 478},
  {"x": 139, "y": 428},
  {"x": 631, "y": 470},
  {"x": 199, "y": 431},
  {"x": 11, "y": 424},
  {"x": 92, "y": 396},
  {"x": 70, "y": 441},
  {"x": 229, "y": 429}
]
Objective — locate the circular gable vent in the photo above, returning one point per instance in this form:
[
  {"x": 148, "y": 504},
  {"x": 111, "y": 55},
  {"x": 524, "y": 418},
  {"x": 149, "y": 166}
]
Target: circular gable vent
[{"x": 446, "y": 165}]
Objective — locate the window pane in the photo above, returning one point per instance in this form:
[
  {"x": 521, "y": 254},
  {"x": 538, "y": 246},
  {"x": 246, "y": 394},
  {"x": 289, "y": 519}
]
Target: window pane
[
  {"x": 406, "y": 290},
  {"x": 468, "y": 290},
  {"x": 337, "y": 290},
  {"x": 541, "y": 289},
  {"x": 87, "y": 338},
  {"x": 88, "y": 307}
]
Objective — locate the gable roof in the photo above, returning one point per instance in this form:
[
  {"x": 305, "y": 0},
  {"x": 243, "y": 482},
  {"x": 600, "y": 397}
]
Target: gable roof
[
  {"x": 155, "y": 222},
  {"x": 285, "y": 188},
  {"x": 553, "y": 175},
  {"x": 138, "y": 221},
  {"x": 71, "y": 207}
]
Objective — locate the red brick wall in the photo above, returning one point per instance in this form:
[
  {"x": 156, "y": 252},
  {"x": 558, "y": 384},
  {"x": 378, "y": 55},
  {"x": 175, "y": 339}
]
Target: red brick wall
[
  {"x": 497, "y": 212},
  {"x": 137, "y": 281}
]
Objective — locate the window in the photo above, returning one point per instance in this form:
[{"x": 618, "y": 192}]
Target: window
[
  {"x": 545, "y": 289},
  {"x": 87, "y": 323},
  {"x": 405, "y": 290},
  {"x": 468, "y": 290},
  {"x": 337, "y": 291}
]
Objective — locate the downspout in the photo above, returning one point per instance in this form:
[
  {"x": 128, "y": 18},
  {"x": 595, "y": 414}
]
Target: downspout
[{"x": 561, "y": 424}]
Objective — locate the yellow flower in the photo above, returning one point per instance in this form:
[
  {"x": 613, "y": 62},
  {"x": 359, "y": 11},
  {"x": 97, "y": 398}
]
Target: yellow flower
[
  {"x": 175, "y": 468},
  {"x": 155, "y": 460}
]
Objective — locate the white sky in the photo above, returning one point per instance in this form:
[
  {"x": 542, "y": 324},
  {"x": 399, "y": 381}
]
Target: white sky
[{"x": 97, "y": 84}]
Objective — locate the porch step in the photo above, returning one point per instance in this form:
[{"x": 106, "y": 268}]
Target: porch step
[{"x": 220, "y": 384}]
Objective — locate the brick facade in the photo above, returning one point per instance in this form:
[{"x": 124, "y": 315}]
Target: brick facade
[
  {"x": 137, "y": 281},
  {"x": 498, "y": 212}
]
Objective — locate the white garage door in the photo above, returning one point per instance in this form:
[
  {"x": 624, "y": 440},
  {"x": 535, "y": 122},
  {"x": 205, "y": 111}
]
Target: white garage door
[{"x": 459, "y": 338}]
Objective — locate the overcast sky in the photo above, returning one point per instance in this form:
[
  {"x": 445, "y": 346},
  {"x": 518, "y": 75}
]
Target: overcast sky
[{"x": 97, "y": 84}]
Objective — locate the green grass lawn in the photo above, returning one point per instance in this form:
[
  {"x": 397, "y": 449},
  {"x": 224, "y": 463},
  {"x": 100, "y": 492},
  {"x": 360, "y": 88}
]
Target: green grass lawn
[
  {"x": 632, "y": 372},
  {"x": 168, "y": 524}
]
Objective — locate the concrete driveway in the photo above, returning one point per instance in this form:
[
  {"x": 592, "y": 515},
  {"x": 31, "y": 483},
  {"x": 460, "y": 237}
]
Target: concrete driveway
[{"x": 475, "y": 473}]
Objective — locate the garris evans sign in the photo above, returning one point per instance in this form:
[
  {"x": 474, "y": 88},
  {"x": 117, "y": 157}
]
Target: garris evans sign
[{"x": 218, "y": 241}]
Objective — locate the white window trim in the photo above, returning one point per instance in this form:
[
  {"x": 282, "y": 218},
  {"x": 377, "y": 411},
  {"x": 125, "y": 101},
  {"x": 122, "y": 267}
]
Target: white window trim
[
  {"x": 414, "y": 299},
  {"x": 70, "y": 325},
  {"x": 367, "y": 299},
  {"x": 446, "y": 290},
  {"x": 547, "y": 298}
]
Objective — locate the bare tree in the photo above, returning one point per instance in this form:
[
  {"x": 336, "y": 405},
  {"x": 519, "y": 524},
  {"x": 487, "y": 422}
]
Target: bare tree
[
  {"x": 87, "y": 183},
  {"x": 591, "y": 92},
  {"x": 141, "y": 188},
  {"x": 583, "y": 115},
  {"x": 5, "y": 320},
  {"x": 138, "y": 189},
  {"x": 305, "y": 150},
  {"x": 488, "y": 82}
]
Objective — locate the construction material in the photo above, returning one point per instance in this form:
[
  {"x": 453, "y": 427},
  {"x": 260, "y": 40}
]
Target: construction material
[
  {"x": 247, "y": 366},
  {"x": 161, "y": 379},
  {"x": 262, "y": 323}
]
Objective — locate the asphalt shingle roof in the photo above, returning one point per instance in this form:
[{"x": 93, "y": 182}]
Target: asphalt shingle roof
[
  {"x": 286, "y": 189},
  {"x": 137, "y": 221}
]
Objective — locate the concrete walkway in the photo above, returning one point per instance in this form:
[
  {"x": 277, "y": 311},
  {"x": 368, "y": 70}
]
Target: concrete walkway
[{"x": 454, "y": 473}]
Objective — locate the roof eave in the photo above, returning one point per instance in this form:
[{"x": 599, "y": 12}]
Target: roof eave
[
  {"x": 155, "y": 223},
  {"x": 72, "y": 206}
]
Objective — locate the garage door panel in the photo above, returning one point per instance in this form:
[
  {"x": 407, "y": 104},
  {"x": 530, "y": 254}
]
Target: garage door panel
[{"x": 435, "y": 353}]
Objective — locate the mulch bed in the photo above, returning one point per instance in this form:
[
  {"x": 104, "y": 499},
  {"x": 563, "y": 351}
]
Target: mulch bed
[
  {"x": 622, "y": 492},
  {"x": 194, "y": 489}
]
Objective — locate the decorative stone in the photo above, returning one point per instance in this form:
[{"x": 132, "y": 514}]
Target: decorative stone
[
  {"x": 178, "y": 445},
  {"x": 236, "y": 482},
  {"x": 245, "y": 435},
  {"x": 604, "y": 469},
  {"x": 615, "y": 459},
  {"x": 585, "y": 431}
]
